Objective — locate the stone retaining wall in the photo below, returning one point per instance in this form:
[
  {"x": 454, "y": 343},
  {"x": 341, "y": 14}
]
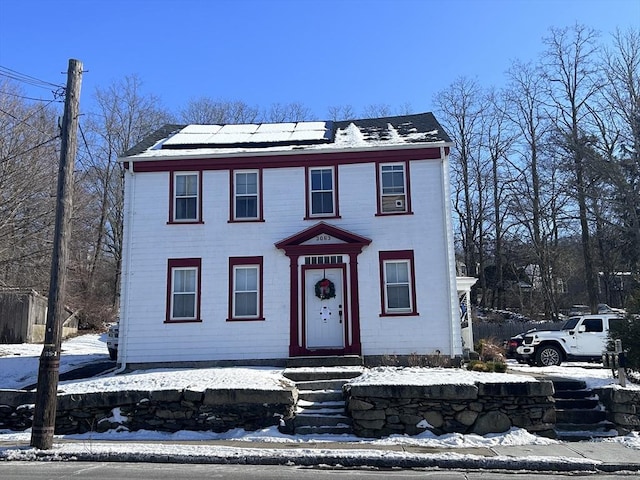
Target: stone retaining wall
[
  {"x": 623, "y": 407},
  {"x": 215, "y": 410},
  {"x": 381, "y": 410}
]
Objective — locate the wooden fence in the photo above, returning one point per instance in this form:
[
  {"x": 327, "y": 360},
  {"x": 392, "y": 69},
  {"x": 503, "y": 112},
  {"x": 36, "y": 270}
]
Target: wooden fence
[{"x": 502, "y": 331}]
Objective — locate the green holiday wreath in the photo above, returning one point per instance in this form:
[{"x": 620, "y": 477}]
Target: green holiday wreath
[{"x": 325, "y": 289}]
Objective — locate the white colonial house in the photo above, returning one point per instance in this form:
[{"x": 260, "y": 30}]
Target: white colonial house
[{"x": 260, "y": 242}]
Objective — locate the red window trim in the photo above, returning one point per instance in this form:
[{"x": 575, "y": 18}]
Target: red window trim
[
  {"x": 232, "y": 199},
  {"x": 407, "y": 193},
  {"x": 307, "y": 191},
  {"x": 172, "y": 181},
  {"x": 183, "y": 263},
  {"x": 397, "y": 255},
  {"x": 239, "y": 261}
]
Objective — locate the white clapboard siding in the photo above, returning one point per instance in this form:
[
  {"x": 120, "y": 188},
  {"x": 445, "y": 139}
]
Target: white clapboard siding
[{"x": 150, "y": 242}]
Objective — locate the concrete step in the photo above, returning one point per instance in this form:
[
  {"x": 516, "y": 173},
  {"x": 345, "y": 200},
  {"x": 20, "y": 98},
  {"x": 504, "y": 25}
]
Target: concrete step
[
  {"x": 580, "y": 416},
  {"x": 576, "y": 394},
  {"x": 324, "y": 430},
  {"x": 333, "y": 384},
  {"x": 567, "y": 384},
  {"x": 325, "y": 361},
  {"x": 321, "y": 408},
  {"x": 321, "y": 396},
  {"x": 576, "y": 403},
  {"x": 304, "y": 374},
  {"x": 580, "y": 432},
  {"x": 306, "y": 420}
]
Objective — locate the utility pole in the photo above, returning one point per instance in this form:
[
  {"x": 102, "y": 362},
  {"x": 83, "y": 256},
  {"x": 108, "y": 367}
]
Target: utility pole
[{"x": 44, "y": 418}]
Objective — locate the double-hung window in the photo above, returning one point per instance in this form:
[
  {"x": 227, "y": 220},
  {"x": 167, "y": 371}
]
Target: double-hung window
[
  {"x": 393, "y": 188},
  {"x": 246, "y": 195},
  {"x": 245, "y": 288},
  {"x": 397, "y": 283},
  {"x": 321, "y": 192},
  {"x": 183, "y": 292},
  {"x": 186, "y": 199}
]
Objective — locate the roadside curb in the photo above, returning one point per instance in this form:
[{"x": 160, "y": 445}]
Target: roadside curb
[{"x": 340, "y": 458}]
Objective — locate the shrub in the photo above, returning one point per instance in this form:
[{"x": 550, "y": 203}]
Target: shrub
[
  {"x": 490, "y": 350},
  {"x": 629, "y": 332},
  {"x": 480, "y": 366}
]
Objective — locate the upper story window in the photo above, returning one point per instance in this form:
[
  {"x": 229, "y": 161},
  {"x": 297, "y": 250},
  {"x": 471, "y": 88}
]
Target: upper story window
[
  {"x": 321, "y": 192},
  {"x": 186, "y": 200},
  {"x": 393, "y": 188},
  {"x": 246, "y": 196},
  {"x": 183, "y": 302}
]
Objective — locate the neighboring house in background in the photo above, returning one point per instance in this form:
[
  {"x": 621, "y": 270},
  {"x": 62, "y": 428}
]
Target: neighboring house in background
[
  {"x": 255, "y": 243},
  {"x": 23, "y": 317}
]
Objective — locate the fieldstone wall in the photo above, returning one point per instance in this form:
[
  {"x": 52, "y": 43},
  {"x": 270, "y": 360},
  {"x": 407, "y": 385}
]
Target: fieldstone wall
[
  {"x": 16, "y": 409},
  {"x": 381, "y": 410},
  {"x": 215, "y": 410},
  {"x": 622, "y": 406}
]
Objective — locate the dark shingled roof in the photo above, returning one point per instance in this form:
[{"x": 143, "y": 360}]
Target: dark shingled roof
[
  {"x": 417, "y": 128},
  {"x": 153, "y": 138},
  {"x": 378, "y": 128}
]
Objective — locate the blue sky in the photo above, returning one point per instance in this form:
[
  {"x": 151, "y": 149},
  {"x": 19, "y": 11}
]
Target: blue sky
[{"x": 316, "y": 52}]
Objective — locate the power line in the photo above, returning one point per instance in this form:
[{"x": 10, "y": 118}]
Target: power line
[
  {"x": 19, "y": 120},
  {"x": 24, "y": 78},
  {"x": 30, "y": 149},
  {"x": 58, "y": 91},
  {"x": 31, "y": 98},
  {"x": 86, "y": 145}
]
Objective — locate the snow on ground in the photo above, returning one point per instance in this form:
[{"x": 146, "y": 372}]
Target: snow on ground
[
  {"x": 19, "y": 367},
  {"x": 593, "y": 374},
  {"x": 434, "y": 376},
  {"x": 196, "y": 379},
  {"x": 19, "y": 362}
]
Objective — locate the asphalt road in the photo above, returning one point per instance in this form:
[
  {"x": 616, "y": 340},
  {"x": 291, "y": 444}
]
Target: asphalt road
[{"x": 163, "y": 471}]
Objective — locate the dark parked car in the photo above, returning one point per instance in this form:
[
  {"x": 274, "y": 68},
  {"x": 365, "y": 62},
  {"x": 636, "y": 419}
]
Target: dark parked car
[{"x": 511, "y": 345}]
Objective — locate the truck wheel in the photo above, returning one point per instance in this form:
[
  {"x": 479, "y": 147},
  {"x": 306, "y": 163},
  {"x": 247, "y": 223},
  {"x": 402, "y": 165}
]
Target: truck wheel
[
  {"x": 113, "y": 353},
  {"x": 548, "y": 356}
]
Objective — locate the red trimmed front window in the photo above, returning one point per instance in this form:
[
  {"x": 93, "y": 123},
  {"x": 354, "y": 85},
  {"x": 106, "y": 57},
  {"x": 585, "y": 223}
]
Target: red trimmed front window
[
  {"x": 397, "y": 283},
  {"x": 183, "y": 290},
  {"x": 245, "y": 288}
]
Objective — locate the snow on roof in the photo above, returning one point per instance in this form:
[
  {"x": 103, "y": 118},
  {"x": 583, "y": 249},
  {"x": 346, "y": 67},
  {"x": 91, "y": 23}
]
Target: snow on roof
[{"x": 224, "y": 140}]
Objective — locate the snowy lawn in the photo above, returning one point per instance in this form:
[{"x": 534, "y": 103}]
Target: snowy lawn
[
  {"x": 19, "y": 362},
  {"x": 19, "y": 367}
]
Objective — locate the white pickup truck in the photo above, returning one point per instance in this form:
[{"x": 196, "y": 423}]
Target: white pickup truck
[{"x": 582, "y": 338}]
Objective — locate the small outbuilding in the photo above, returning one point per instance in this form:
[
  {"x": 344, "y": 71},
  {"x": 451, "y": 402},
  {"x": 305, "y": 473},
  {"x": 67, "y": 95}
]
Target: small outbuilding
[{"x": 23, "y": 316}]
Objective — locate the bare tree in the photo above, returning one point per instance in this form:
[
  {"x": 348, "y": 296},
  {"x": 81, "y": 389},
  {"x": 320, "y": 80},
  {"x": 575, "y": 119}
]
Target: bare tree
[
  {"x": 498, "y": 141},
  {"x": 460, "y": 110},
  {"x": 341, "y": 112},
  {"x": 124, "y": 115},
  {"x": 207, "y": 111},
  {"x": 28, "y": 167},
  {"x": 287, "y": 112},
  {"x": 575, "y": 79},
  {"x": 535, "y": 197},
  {"x": 377, "y": 110}
]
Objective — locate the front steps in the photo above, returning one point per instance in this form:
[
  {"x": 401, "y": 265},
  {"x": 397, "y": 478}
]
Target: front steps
[
  {"x": 321, "y": 405},
  {"x": 579, "y": 414}
]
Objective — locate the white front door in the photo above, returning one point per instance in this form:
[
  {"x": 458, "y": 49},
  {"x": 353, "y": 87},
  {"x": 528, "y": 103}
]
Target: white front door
[{"x": 324, "y": 317}]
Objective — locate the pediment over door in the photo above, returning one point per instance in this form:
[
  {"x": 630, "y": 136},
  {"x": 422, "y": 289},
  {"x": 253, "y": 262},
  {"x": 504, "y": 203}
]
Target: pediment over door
[{"x": 323, "y": 237}]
